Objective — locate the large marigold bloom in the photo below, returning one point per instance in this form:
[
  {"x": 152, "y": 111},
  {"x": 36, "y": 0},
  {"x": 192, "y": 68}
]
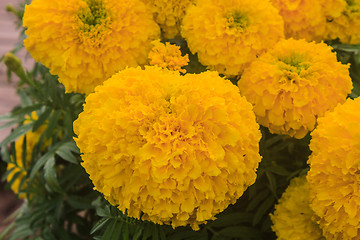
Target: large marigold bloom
[
  {"x": 168, "y": 56},
  {"x": 307, "y": 18},
  {"x": 292, "y": 218},
  {"x": 179, "y": 149},
  {"x": 293, "y": 84},
  {"x": 169, "y": 14},
  {"x": 85, "y": 42},
  {"x": 228, "y": 35},
  {"x": 346, "y": 26},
  {"x": 334, "y": 175}
]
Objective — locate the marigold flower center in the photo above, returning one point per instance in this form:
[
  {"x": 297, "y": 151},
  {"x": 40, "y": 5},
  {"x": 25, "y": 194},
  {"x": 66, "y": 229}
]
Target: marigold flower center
[
  {"x": 237, "y": 20},
  {"x": 94, "y": 14},
  {"x": 93, "y": 23},
  {"x": 295, "y": 63}
]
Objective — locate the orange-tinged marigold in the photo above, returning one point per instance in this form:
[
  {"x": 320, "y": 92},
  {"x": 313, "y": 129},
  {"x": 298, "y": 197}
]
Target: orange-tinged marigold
[
  {"x": 169, "y": 14},
  {"x": 307, "y": 19},
  {"x": 228, "y": 35},
  {"x": 292, "y": 218},
  {"x": 293, "y": 84},
  {"x": 178, "y": 149},
  {"x": 85, "y": 42},
  {"x": 334, "y": 175},
  {"x": 168, "y": 56}
]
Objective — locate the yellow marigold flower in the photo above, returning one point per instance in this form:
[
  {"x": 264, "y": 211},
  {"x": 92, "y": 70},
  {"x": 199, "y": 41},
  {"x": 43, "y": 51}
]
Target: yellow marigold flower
[
  {"x": 85, "y": 42},
  {"x": 292, "y": 218},
  {"x": 293, "y": 84},
  {"x": 32, "y": 139},
  {"x": 179, "y": 149},
  {"x": 228, "y": 35},
  {"x": 334, "y": 172},
  {"x": 169, "y": 14},
  {"x": 168, "y": 56},
  {"x": 346, "y": 26},
  {"x": 307, "y": 18}
]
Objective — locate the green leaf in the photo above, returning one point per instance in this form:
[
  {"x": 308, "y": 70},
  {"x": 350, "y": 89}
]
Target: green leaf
[
  {"x": 78, "y": 202},
  {"x": 18, "y": 132},
  {"x": 241, "y": 232},
  {"x": 259, "y": 197},
  {"x": 272, "y": 182},
  {"x": 53, "y": 121},
  {"x": 230, "y": 219},
  {"x": 109, "y": 230},
  {"x": 99, "y": 225},
  {"x": 50, "y": 175},
  {"x": 65, "y": 154},
  {"x": 263, "y": 209},
  {"x": 42, "y": 118},
  {"x": 138, "y": 232},
  {"x": 46, "y": 157},
  {"x": 116, "y": 233}
]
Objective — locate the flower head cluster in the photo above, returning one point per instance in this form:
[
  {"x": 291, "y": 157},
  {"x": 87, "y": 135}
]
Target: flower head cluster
[
  {"x": 178, "y": 149},
  {"x": 346, "y": 26},
  {"x": 18, "y": 166},
  {"x": 228, "y": 35},
  {"x": 169, "y": 14},
  {"x": 293, "y": 84},
  {"x": 168, "y": 56},
  {"x": 334, "y": 174},
  {"x": 306, "y": 18},
  {"x": 85, "y": 42},
  {"x": 292, "y": 218}
]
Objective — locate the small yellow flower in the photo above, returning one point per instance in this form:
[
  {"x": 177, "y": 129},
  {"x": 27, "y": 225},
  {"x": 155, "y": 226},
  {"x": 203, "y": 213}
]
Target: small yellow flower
[
  {"x": 178, "y": 149},
  {"x": 334, "y": 176},
  {"x": 293, "y": 84},
  {"x": 167, "y": 56},
  {"x": 292, "y": 218},
  {"x": 228, "y": 35},
  {"x": 169, "y": 14},
  {"x": 85, "y": 42}
]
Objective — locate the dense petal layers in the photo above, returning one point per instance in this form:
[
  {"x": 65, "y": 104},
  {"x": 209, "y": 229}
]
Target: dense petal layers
[
  {"x": 346, "y": 26},
  {"x": 308, "y": 19},
  {"x": 169, "y": 14},
  {"x": 293, "y": 84},
  {"x": 167, "y": 56},
  {"x": 228, "y": 35},
  {"x": 179, "y": 149},
  {"x": 85, "y": 42},
  {"x": 334, "y": 175},
  {"x": 292, "y": 218}
]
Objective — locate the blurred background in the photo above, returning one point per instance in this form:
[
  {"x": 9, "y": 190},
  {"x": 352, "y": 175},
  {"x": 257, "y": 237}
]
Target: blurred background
[{"x": 9, "y": 33}]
